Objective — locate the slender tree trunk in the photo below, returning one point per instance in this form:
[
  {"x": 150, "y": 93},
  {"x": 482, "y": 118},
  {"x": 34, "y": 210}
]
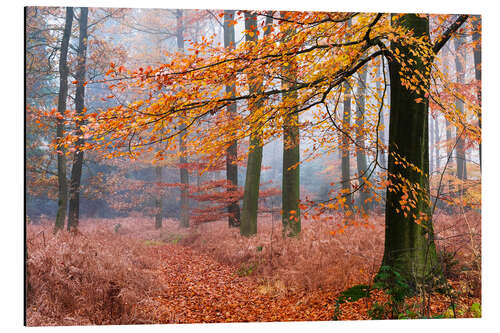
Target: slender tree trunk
[
  {"x": 476, "y": 37},
  {"x": 436, "y": 143},
  {"x": 158, "y": 199},
  {"x": 448, "y": 127},
  {"x": 249, "y": 209},
  {"x": 290, "y": 190},
  {"x": 382, "y": 131},
  {"x": 345, "y": 167},
  {"x": 431, "y": 144},
  {"x": 62, "y": 203},
  {"x": 409, "y": 246},
  {"x": 232, "y": 152},
  {"x": 76, "y": 170},
  {"x": 361, "y": 160},
  {"x": 184, "y": 175},
  {"x": 459, "y": 104}
]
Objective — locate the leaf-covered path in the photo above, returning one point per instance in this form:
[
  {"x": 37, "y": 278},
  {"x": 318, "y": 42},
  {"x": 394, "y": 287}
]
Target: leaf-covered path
[{"x": 199, "y": 289}]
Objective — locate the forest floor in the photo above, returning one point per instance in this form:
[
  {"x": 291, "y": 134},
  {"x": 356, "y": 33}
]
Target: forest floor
[{"x": 122, "y": 271}]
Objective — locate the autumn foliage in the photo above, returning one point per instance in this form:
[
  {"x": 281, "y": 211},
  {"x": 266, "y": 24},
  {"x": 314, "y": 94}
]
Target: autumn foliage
[{"x": 164, "y": 132}]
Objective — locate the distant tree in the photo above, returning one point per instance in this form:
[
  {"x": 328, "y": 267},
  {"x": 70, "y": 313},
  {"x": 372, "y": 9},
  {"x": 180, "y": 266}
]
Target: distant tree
[
  {"x": 159, "y": 198},
  {"x": 76, "y": 170},
  {"x": 291, "y": 153},
  {"x": 476, "y": 38},
  {"x": 361, "y": 160},
  {"x": 459, "y": 103},
  {"x": 62, "y": 203},
  {"x": 232, "y": 151},
  {"x": 345, "y": 167},
  {"x": 248, "y": 225},
  {"x": 184, "y": 175}
]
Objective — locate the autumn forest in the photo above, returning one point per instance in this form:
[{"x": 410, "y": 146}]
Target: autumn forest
[{"x": 214, "y": 166}]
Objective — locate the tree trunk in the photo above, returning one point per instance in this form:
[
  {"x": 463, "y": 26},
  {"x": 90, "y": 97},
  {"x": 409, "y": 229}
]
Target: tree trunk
[
  {"x": 431, "y": 145},
  {"x": 290, "y": 190},
  {"x": 382, "y": 132},
  {"x": 232, "y": 151},
  {"x": 459, "y": 104},
  {"x": 436, "y": 143},
  {"x": 382, "y": 124},
  {"x": 158, "y": 199},
  {"x": 361, "y": 162},
  {"x": 249, "y": 209},
  {"x": 62, "y": 203},
  {"x": 184, "y": 175},
  {"x": 476, "y": 37},
  {"x": 345, "y": 161},
  {"x": 76, "y": 170},
  {"x": 409, "y": 246}
]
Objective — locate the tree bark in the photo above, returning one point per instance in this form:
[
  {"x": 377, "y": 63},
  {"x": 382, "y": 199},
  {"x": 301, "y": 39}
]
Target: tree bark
[
  {"x": 184, "y": 175},
  {"x": 62, "y": 203},
  {"x": 158, "y": 199},
  {"x": 382, "y": 132},
  {"x": 476, "y": 37},
  {"x": 361, "y": 160},
  {"x": 436, "y": 143},
  {"x": 345, "y": 167},
  {"x": 409, "y": 246},
  {"x": 459, "y": 104},
  {"x": 431, "y": 144},
  {"x": 232, "y": 151},
  {"x": 76, "y": 170},
  {"x": 249, "y": 209},
  {"x": 290, "y": 189}
]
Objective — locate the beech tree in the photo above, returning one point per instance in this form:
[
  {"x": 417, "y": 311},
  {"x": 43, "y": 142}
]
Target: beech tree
[
  {"x": 409, "y": 236},
  {"x": 62, "y": 203},
  {"x": 184, "y": 175},
  {"x": 460, "y": 74},
  {"x": 476, "y": 38},
  {"x": 76, "y": 170},
  {"x": 361, "y": 162},
  {"x": 249, "y": 209},
  {"x": 291, "y": 155},
  {"x": 232, "y": 151},
  {"x": 324, "y": 58}
]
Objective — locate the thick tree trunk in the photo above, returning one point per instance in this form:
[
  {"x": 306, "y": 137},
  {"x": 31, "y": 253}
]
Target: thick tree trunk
[
  {"x": 409, "y": 246},
  {"x": 361, "y": 160},
  {"x": 62, "y": 203},
  {"x": 232, "y": 151},
  {"x": 290, "y": 190},
  {"x": 476, "y": 37},
  {"x": 345, "y": 167},
  {"x": 158, "y": 199},
  {"x": 248, "y": 225},
  {"x": 184, "y": 175},
  {"x": 459, "y": 104},
  {"x": 76, "y": 170}
]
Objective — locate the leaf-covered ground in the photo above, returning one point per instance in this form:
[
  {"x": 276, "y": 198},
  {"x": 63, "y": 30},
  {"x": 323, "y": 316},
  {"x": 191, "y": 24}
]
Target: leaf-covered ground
[
  {"x": 134, "y": 274},
  {"x": 201, "y": 290}
]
